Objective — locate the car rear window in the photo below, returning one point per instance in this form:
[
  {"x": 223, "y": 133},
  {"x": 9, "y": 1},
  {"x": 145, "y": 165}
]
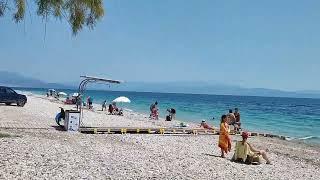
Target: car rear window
[
  {"x": 2, "y": 90},
  {"x": 10, "y": 91}
]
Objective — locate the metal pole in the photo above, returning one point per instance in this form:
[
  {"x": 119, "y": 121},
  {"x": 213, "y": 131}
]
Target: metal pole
[{"x": 82, "y": 88}]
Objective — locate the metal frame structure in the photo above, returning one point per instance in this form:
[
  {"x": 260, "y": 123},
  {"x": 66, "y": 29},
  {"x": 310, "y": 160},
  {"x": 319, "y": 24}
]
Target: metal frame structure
[{"x": 83, "y": 85}]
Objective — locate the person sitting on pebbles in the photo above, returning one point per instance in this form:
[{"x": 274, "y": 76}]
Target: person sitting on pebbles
[
  {"x": 205, "y": 125},
  {"x": 245, "y": 153}
]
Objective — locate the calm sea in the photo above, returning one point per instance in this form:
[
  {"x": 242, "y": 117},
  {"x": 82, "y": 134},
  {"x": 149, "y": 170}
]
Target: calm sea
[{"x": 292, "y": 117}]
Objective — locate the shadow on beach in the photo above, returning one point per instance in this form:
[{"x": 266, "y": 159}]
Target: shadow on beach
[
  {"x": 212, "y": 155},
  {"x": 58, "y": 128}
]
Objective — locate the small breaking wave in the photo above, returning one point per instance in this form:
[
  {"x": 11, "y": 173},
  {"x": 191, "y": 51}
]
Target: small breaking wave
[
  {"x": 309, "y": 137},
  {"x": 303, "y": 138},
  {"x": 24, "y": 92}
]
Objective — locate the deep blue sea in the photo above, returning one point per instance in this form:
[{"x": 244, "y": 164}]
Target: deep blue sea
[{"x": 296, "y": 118}]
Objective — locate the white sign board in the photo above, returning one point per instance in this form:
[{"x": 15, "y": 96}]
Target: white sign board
[{"x": 72, "y": 121}]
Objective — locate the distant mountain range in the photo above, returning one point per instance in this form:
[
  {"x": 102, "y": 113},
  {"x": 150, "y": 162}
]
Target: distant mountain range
[
  {"x": 17, "y": 80},
  {"x": 208, "y": 88}
]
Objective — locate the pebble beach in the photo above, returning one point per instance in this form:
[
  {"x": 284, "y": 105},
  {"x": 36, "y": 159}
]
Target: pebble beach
[{"x": 42, "y": 151}]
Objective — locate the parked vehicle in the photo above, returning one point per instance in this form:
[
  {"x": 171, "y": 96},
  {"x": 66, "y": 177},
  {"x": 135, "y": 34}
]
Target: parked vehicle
[{"x": 9, "y": 96}]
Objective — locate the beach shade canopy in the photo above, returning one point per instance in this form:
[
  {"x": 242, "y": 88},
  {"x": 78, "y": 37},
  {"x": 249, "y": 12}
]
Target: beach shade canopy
[
  {"x": 122, "y": 99},
  {"x": 97, "y": 79},
  {"x": 62, "y": 94}
]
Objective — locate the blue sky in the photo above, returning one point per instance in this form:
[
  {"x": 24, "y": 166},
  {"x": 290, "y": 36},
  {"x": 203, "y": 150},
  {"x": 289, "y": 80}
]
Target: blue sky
[{"x": 270, "y": 44}]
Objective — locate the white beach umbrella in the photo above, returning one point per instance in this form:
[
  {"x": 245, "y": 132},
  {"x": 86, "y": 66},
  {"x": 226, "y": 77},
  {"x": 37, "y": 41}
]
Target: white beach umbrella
[
  {"x": 122, "y": 99},
  {"x": 62, "y": 94},
  {"x": 75, "y": 94}
]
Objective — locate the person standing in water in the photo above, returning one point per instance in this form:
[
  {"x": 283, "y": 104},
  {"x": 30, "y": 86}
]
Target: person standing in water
[
  {"x": 231, "y": 117},
  {"x": 224, "y": 138},
  {"x": 237, "y": 123},
  {"x": 152, "y": 106}
]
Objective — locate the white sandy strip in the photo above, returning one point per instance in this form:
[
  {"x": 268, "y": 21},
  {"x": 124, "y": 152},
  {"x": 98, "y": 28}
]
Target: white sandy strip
[
  {"x": 52, "y": 154},
  {"x": 41, "y": 111}
]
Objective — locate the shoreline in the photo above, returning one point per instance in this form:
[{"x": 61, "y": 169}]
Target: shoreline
[{"x": 194, "y": 124}]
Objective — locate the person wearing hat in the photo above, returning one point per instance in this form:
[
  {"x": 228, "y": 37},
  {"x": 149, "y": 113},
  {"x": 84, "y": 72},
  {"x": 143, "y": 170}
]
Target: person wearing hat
[
  {"x": 245, "y": 153},
  {"x": 205, "y": 125}
]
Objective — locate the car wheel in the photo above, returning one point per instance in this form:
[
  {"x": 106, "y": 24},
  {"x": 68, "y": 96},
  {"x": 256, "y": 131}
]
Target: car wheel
[
  {"x": 8, "y": 104},
  {"x": 21, "y": 103}
]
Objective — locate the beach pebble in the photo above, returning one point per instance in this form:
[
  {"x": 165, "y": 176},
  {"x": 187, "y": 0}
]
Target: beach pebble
[{"x": 53, "y": 154}]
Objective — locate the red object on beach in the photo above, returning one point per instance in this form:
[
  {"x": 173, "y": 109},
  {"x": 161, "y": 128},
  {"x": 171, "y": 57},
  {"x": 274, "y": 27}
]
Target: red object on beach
[
  {"x": 68, "y": 101},
  {"x": 245, "y": 134},
  {"x": 154, "y": 114}
]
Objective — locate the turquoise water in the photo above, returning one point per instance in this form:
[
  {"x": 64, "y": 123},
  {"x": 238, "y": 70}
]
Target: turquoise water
[{"x": 292, "y": 117}]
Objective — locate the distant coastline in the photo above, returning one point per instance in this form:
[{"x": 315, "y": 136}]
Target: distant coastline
[
  {"x": 122, "y": 90},
  {"x": 19, "y": 81}
]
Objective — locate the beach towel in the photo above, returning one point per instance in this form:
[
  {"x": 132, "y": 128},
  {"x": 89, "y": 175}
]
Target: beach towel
[
  {"x": 242, "y": 151},
  {"x": 224, "y": 139}
]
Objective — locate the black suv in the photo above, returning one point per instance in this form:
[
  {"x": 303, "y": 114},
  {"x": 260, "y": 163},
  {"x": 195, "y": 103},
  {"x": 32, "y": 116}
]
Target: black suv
[{"x": 9, "y": 96}]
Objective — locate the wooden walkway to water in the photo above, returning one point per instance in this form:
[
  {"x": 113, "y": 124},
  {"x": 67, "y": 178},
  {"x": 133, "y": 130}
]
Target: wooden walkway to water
[
  {"x": 181, "y": 131},
  {"x": 129, "y": 130},
  {"x": 137, "y": 130}
]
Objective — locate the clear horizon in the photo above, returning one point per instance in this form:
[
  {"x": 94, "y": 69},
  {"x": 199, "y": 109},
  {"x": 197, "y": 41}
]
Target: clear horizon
[{"x": 250, "y": 44}]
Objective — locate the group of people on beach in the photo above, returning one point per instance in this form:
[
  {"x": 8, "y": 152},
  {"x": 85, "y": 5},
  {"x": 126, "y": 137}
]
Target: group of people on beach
[
  {"x": 112, "y": 108},
  {"x": 234, "y": 119},
  {"x": 154, "y": 112},
  {"x": 88, "y": 104},
  {"x": 244, "y": 151}
]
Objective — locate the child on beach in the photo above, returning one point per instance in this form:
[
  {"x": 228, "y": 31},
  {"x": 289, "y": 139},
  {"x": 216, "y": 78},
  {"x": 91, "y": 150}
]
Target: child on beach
[{"x": 224, "y": 138}]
